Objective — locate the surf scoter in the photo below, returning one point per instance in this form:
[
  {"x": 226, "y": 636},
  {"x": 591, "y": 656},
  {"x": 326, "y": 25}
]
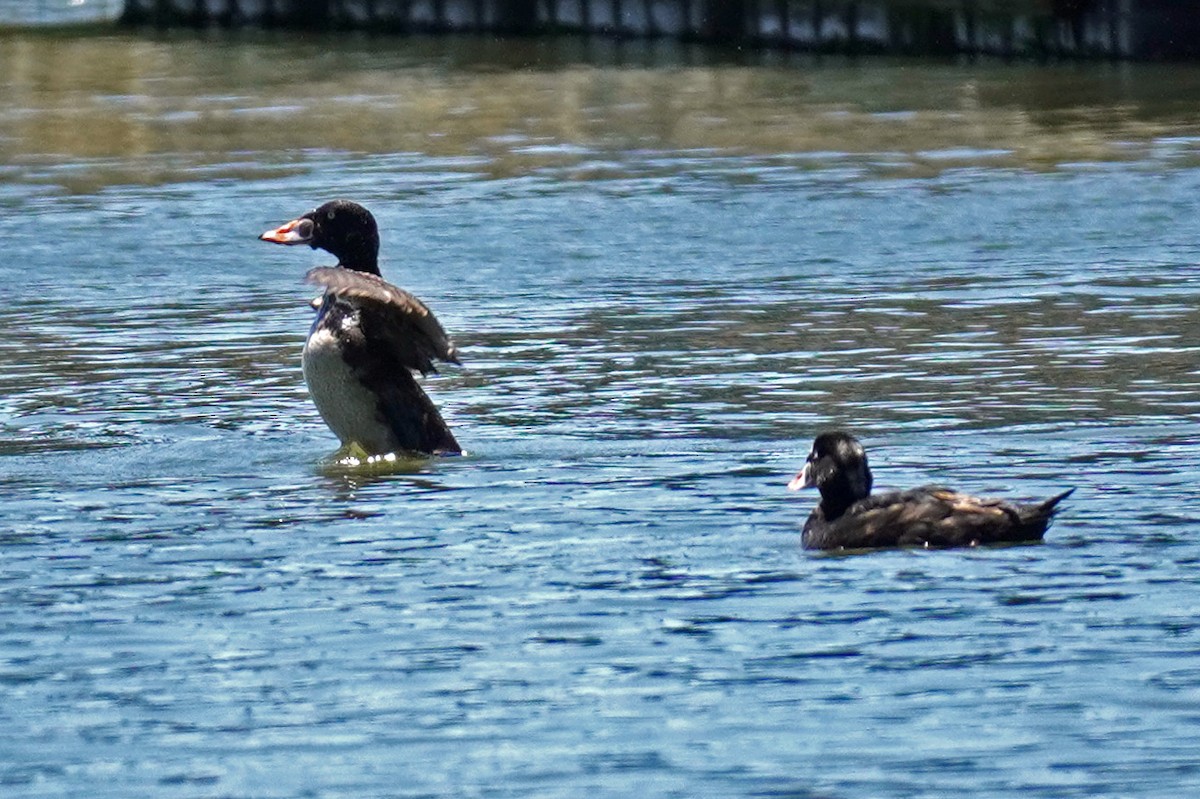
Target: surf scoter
[
  {"x": 849, "y": 517},
  {"x": 368, "y": 339}
]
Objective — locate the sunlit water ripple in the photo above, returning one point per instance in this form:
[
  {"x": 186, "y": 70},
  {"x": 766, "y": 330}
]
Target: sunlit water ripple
[{"x": 606, "y": 595}]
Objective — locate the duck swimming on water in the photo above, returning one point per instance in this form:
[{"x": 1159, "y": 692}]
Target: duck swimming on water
[
  {"x": 849, "y": 517},
  {"x": 368, "y": 339}
]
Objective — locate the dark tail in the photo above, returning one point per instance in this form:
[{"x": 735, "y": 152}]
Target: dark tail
[
  {"x": 1047, "y": 508},
  {"x": 1036, "y": 518}
]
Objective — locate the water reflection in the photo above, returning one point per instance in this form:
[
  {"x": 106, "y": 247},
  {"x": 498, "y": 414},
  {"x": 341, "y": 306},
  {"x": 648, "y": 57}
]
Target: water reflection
[{"x": 79, "y": 112}]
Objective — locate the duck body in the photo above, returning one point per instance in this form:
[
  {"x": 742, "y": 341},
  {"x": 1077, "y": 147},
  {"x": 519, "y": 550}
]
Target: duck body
[
  {"x": 930, "y": 516},
  {"x": 850, "y": 517},
  {"x": 364, "y": 396},
  {"x": 368, "y": 339}
]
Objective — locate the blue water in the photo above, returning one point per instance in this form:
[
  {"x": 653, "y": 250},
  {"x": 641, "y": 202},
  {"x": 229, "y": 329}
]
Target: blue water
[
  {"x": 58, "y": 12},
  {"x": 606, "y": 596}
]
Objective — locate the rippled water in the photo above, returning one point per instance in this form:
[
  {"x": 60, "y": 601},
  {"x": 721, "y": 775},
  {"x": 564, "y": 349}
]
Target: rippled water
[{"x": 665, "y": 275}]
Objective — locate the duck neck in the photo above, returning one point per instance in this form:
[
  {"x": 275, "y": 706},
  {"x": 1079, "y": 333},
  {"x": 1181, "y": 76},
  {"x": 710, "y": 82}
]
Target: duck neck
[
  {"x": 844, "y": 490},
  {"x": 834, "y": 505},
  {"x": 362, "y": 261},
  {"x": 359, "y": 251}
]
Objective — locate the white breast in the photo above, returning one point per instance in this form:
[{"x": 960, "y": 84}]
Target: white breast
[{"x": 350, "y": 410}]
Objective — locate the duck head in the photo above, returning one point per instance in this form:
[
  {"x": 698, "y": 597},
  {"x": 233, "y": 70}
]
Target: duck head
[
  {"x": 342, "y": 228},
  {"x": 837, "y": 467}
]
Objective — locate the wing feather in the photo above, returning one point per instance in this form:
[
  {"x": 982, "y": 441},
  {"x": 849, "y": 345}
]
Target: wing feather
[{"x": 390, "y": 314}]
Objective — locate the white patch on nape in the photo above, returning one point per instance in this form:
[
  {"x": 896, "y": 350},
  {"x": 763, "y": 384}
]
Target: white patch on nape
[{"x": 346, "y": 405}]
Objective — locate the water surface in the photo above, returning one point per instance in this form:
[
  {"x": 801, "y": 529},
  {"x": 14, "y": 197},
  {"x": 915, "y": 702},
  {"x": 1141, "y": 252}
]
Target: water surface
[{"x": 667, "y": 270}]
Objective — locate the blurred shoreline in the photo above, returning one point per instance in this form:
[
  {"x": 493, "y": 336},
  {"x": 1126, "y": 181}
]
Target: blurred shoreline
[
  {"x": 86, "y": 111},
  {"x": 1120, "y": 29}
]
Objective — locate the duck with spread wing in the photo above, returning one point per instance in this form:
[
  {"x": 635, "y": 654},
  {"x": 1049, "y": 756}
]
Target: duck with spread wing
[{"x": 368, "y": 340}]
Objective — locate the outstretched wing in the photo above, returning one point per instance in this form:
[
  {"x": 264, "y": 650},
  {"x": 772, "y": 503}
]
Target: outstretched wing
[{"x": 390, "y": 315}]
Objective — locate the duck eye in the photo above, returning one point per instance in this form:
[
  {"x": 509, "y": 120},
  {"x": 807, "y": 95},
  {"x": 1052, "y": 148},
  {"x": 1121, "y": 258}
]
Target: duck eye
[{"x": 330, "y": 215}]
